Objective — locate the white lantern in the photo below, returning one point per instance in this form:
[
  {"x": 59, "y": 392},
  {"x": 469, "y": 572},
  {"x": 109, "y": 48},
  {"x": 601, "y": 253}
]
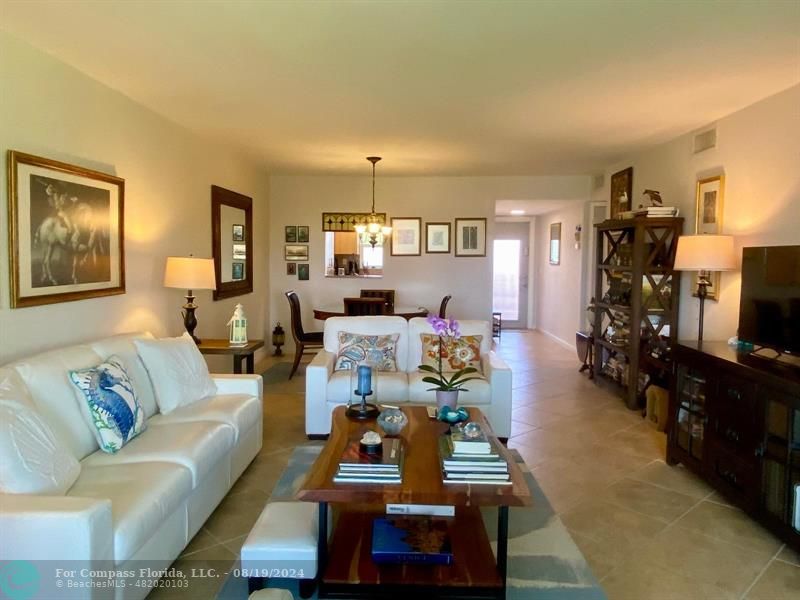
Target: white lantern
[{"x": 238, "y": 327}]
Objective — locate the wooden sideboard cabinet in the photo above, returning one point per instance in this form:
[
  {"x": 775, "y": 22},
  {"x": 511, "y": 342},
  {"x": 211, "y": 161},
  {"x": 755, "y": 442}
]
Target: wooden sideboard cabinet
[{"x": 734, "y": 420}]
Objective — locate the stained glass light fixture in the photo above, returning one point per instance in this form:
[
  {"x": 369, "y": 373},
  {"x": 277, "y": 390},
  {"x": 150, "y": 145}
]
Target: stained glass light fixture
[{"x": 375, "y": 229}]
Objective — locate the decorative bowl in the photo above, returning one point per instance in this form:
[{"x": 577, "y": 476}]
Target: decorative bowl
[
  {"x": 452, "y": 416},
  {"x": 392, "y": 420}
]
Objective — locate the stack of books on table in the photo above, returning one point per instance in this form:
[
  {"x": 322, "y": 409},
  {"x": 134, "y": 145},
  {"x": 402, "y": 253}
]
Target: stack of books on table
[
  {"x": 357, "y": 466},
  {"x": 473, "y": 460},
  {"x": 657, "y": 211}
]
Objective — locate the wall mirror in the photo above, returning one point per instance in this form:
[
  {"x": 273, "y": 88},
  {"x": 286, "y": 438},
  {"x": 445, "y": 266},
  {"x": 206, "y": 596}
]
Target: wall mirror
[{"x": 232, "y": 242}]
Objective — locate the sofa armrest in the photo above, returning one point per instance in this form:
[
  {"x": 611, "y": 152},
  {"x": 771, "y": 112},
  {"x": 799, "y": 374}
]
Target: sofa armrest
[
  {"x": 318, "y": 372},
  {"x": 252, "y": 385},
  {"x": 59, "y": 528},
  {"x": 499, "y": 375}
]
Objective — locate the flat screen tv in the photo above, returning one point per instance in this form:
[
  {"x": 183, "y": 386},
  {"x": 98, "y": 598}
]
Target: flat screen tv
[{"x": 769, "y": 313}]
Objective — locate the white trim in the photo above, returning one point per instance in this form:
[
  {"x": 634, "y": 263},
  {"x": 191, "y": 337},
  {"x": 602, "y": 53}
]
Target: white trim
[{"x": 557, "y": 339}]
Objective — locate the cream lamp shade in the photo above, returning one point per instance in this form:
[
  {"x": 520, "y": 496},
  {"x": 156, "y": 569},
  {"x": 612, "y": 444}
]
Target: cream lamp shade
[
  {"x": 190, "y": 273},
  {"x": 705, "y": 253}
]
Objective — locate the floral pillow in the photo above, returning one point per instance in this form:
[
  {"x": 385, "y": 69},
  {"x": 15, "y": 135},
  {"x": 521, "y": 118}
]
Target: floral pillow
[
  {"x": 456, "y": 355},
  {"x": 354, "y": 348}
]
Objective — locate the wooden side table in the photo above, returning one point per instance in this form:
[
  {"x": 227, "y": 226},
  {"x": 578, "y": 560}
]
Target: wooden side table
[
  {"x": 584, "y": 344},
  {"x": 247, "y": 351}
]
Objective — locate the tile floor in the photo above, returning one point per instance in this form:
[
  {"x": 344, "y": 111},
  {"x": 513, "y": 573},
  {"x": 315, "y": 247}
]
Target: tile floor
[{"x": 648, "y": 531}]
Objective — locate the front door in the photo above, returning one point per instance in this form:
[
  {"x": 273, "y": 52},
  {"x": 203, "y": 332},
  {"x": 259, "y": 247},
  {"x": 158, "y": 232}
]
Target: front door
[{"x": 510, "y": 281}]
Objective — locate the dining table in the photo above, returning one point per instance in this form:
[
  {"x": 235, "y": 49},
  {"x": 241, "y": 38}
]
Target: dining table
[{"x": 400, "y": 310}]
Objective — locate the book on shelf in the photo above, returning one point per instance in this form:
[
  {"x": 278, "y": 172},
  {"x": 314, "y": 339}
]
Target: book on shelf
[
  {"x": 411, "y": 539},
  {"x": 454, "y": 470},
  {"x": 656, "y": 211},
  {"x": 469, "y": 445},
  {"x": 434, "y": 510},
  {"x": 366, "y": 478}
]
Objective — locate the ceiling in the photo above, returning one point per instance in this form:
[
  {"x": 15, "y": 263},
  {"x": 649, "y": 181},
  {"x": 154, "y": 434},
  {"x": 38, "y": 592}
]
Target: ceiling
[{"x": 435, "y": 87}]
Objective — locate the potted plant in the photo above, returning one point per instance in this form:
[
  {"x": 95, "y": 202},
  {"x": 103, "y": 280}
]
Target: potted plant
[{"x": 447, "y": 385}]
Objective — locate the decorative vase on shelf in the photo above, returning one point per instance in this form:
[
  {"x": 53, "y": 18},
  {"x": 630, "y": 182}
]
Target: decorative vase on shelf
[{"x": 446, "y": 398}]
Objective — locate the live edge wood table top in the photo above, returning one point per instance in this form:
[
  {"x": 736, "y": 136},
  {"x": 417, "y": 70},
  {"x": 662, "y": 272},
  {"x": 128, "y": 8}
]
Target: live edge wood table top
[
  {"x": 422, "y": 472},
  {"x": 345, "y": 566}
]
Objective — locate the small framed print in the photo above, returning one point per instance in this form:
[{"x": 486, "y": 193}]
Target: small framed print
[
  {"x": 291, "y": 268},
  {"x": 621, "y": 191},
  {"x": 302, "y": 271},
  {"x": 406, "y": 234},
  {"x": 296, "y": 252},
  {"x": 302, "y": 234},
  {"x": 238, "y": 233},
  {"x": 437, "y": 238},
  {"x": 555, "y": 244},
  {"x": 237, "y": 271},
  {"x": 239, "y": 251},
  {"x": 708, "y": 220},
  {"x": 471, "y": 237},
  {"x": 291, "y": 234}
]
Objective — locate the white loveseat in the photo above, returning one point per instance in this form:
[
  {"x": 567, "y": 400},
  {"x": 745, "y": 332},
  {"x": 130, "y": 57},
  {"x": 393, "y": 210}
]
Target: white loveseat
[
  {"x": 137, "y": 508},
  {"x": 326, "y": 389}
]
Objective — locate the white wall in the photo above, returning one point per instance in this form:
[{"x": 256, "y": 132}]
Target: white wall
[
  {"x": 49, "y": 109},
  {"x": 559, "y": 305},
  {"x": 758, "y": 150},
  {"x": 423, "y": 280}
]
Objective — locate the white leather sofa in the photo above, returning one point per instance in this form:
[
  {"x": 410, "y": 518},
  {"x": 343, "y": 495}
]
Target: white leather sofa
[
  {"x": 140, "y": 507},
  {"x": 326, "y": 389}
]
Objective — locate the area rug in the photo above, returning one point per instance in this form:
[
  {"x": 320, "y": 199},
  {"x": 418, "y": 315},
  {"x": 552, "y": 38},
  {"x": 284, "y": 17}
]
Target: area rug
[{"x": 543, "y": 561}]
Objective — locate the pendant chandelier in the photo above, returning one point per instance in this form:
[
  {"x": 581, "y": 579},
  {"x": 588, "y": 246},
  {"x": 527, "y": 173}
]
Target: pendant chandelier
[{"x": 373, "y": 231}]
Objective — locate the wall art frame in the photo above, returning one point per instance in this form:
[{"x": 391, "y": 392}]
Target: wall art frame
[
  {"x": 66, "y": 231},
  {"x": 470, "y": 239},
  {"x": 437, "y": 238},
  {"x": 406, "y": 236},
  {"x": 709, "y": 203}
]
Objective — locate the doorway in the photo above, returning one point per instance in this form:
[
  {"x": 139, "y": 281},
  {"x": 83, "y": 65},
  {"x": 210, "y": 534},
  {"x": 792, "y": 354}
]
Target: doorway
[{"x": 510, "y": 274}]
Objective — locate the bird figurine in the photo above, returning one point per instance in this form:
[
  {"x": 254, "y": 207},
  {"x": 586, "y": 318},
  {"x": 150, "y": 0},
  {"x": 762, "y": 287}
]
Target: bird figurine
[{"x": 655, "y": 197}]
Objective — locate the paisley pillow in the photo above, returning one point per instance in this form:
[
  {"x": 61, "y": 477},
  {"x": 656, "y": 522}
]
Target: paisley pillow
[
  {"x": 461, "y": 353},
  {"x": 110, "y": 403},
  {"x": 381, "y": 350}
]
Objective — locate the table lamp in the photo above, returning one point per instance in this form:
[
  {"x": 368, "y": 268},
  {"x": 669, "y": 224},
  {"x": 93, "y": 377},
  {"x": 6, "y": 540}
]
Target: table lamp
[
  {"x": 190, "y": 274},
  {"x": 705, "y": 254}
]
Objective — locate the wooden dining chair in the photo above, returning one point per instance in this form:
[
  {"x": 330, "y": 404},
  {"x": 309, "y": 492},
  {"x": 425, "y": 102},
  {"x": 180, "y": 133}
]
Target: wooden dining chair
[
  {"x": 387, "y": 295},
  {"x": 443, "y": 306},
  {"x": 304, "y": 342},
  {"x": 361, "y": 307}
]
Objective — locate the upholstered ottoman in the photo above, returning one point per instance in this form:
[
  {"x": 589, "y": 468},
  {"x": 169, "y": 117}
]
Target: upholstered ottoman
[
  {"x": 283, "y": 545},
  {"x": 275, "y": 594}
]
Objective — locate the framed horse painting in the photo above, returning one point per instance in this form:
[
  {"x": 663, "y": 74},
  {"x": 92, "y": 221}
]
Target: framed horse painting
[{"x": 65, "y": 231}]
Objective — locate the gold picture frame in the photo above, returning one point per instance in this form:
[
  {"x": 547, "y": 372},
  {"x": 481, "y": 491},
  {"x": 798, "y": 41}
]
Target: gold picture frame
[
  {"x": 709, "y": 202},
  {"x": 66, "y": 231}
]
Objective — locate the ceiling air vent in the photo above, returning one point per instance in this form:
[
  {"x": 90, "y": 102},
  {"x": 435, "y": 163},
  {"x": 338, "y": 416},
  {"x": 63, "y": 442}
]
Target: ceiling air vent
[{"x": 705, "y": 140}]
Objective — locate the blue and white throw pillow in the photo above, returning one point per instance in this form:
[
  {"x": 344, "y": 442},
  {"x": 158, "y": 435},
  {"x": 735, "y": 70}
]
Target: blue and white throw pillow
[{"x": 111, "y": 404}]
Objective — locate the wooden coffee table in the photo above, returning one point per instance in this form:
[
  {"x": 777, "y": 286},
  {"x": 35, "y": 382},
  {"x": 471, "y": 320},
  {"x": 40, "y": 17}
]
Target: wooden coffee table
[{"x": 345, "y": 566}]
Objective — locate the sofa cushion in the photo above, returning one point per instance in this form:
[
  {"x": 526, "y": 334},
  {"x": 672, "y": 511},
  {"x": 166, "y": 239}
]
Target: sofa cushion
[
  {"x": 142, "y": 496},
  {"x": 111, "y": 404},
  {"x": 240, "y": 411},
  {"x": 178, "y": 371},
  {"x": 368, "y": 326},
  {"x": 392, "y": 388},
  {"x": 47, "y": 379},
  {"x": 32, "y": 459},
  {"x": 480, "y": 392},
  {"x": 380, "y": 350},
  {"x": 418, "y": 325},
  {"x": 123, "y": 346},
  {"x": 197, "y": 446},
  {"x": 457, "y": 354}
]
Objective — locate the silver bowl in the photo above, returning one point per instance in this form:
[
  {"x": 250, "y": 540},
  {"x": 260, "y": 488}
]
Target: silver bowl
[{"x": 392, "y": 420}]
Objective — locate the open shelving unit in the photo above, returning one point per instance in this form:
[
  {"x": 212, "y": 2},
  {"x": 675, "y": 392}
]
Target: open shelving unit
[{"x": 636, "y": 302}]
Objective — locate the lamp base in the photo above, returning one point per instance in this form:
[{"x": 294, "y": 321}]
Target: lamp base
[
  {"x": 189, "y": 320},
  {"x": 363, "y": 411}
]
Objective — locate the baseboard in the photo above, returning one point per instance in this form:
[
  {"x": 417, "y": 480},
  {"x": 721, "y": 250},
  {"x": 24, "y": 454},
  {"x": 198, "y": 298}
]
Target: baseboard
[{"x": 557, "y": 339}]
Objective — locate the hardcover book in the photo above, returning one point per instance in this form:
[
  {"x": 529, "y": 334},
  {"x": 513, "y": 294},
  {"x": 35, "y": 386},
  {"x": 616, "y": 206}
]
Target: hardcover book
[
  {"x": 411, "y": 539},
  {"x": 389, "y": 459},
  {"x": 451, "y": 458},
  {"x": 469, "y": 445}
]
